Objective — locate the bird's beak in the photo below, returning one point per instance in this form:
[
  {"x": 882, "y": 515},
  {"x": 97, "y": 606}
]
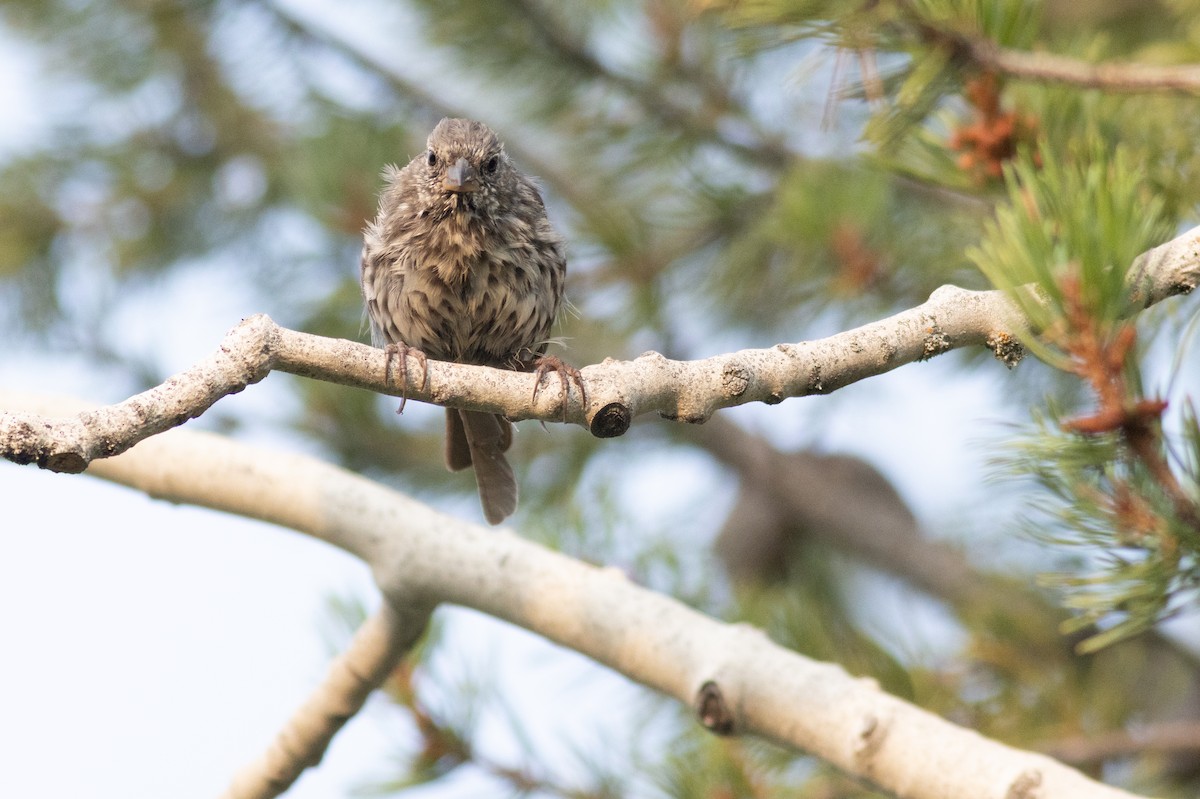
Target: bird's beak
[{"x": 460, "y": 178}]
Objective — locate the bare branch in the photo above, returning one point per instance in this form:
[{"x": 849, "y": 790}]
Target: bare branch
[
  {"x": 617, "y": 391},
  {"x": 653, "y": 99},
  {"x": 1167, "y": 737},
  {"x": 880, "y": 531},
  {"x": 374, "y": 653},
  {"x": 738, "y": 681},
  {"x": 1113, "y": 76},
  {"x": 844, "y": 504}
]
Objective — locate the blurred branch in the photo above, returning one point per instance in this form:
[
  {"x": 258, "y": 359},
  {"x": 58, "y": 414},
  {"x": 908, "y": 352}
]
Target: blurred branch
[
  {"x": 653, "y": 100},
  {"x": 737, "y": 680},
  {"x": 617, "y": 391},
  {"x": 297, "y": 26},
  {"x": 1113, "y": 76},
  {"x": 656, "y": 101},
  {"x": 373, "y": 654},
  {"x": 846, "y": 504},
  {"x": 567, "y": 186},
  {"x": 1165, "y": 737},
  {"x": 871, "y": 525}
]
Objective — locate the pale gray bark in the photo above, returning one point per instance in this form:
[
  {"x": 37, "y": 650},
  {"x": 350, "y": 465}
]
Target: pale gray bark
[
  {"x": 617, "y": 391},
  {"x": 738, "y": 680}
]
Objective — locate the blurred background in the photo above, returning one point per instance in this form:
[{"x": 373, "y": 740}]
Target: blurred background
[{"x": 728, "y": 175}]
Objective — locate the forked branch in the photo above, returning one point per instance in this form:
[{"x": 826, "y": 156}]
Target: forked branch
[{"x": 736, "y": 679}]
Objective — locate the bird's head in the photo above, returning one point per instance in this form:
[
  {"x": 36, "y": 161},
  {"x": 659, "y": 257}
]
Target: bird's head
[{"x": 466, "y": 169}]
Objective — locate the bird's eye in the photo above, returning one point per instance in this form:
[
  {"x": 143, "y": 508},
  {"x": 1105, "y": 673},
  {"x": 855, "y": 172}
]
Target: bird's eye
[
  {"x": 431, "y": 158},
  {"x": 492, "y": 164}
]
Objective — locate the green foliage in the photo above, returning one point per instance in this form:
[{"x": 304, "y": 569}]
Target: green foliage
[
  {"x": 1062, "y": 248},
  {"x": 1087, "y": 214},
  {"x": 1140, "y": 541}
]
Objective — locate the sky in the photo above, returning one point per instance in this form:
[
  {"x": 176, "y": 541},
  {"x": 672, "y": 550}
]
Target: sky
[{"x": 153, "y": 649}]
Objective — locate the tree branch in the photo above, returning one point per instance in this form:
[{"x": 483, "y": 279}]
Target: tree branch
[
  {"x": 854, "y": 510},
  {"x": 738, "y": 681},
  {"x": 617, "y": 391},
  {"x": 865, "y": 528},
  {"x": 1113, "y": 76},
  {"x": 373, "y": 654},
  {"x": 656, "y": 100},
  {"x": 1168, "y": 737}
]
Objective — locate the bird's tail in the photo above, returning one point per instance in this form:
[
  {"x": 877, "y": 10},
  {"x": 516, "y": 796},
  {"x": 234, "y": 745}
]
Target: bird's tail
[{"x": 480, "y": 439}]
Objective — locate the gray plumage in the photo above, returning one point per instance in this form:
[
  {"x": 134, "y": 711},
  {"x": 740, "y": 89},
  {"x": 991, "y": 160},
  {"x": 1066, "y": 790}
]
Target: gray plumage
[{"x": 462, "y": 264}]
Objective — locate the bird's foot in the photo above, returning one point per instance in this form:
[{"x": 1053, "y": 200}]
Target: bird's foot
[
  {"x": 400, "y": 351},
  {"x": 550, "y": 363}
]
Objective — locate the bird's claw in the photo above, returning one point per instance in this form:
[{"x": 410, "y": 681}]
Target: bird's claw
[
  {"x": 550, "y": 363},
  {"x": 401, "y": 351}
]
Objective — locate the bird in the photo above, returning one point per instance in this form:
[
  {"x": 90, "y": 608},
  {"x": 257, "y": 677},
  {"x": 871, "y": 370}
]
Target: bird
[{"x": 462, "y": 264}]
